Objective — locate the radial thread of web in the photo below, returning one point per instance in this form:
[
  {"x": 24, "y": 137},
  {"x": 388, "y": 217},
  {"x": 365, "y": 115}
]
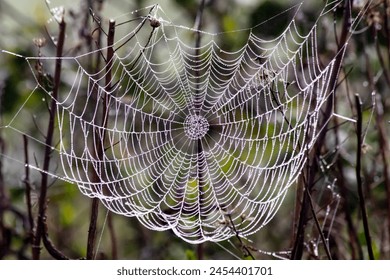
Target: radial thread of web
[{"x": 203, "y": 142}]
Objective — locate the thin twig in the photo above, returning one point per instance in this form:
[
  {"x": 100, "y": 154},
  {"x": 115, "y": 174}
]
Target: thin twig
[
  {"x": 323, "y": 239},
  {"x": 387, "y": 32},
  {"x": 385, "y": 152},
  {"x": 114, "y": 243},
  {"x": 135, "y": 33},
  {"x": 99, "y": 144},
  {"x": 198, "y": 26},
  {"x": 383, "y": 139},
  {"x": 28, "y": 191},
  {"x": 385, "y": 70},
  {"x": 91, "y": 239},
  {"x": 50, "y": 247},
  {"x": 345, "y": 194},
  {"x": 380, "y": 109},
  {"x": 41, "y": 220},
  {"x": 313, "y": 165},
  {"x": 359, "y": 132},
  {"x": 198, "y": 23},
  {"x": 3, "y": 202},
  {"x": 246, "y": 249}
]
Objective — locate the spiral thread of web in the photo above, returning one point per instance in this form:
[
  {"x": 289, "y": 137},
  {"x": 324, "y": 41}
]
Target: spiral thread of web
[{"x": 204, "y": 144}]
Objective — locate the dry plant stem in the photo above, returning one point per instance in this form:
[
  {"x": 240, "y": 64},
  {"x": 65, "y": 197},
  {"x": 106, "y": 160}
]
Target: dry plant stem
[
  {"x": 345, "y": 194},
  {"x": 86, "y": 26},
  {"x": 381, "y": 60},
  {"x": 313, "y": 165},
  {"x": 359, "y": 132},
  {"x": 28, "y": 190},
  {"x": 344, "y": 191},
  {"x": 110, "y": 55},
  {"x": 382, "y": 135},
  {"x": 198, "y": 26},
  {"x": 323, "y": 239},
  {"x": 3, "y": 200},
  {"x": 381, "y": 123},
  {"x": 53, "y": 251},
  {"x": 92, "y": 229},
  {"x": 111, "y": 230},
  {"x": 95, "y": 202},
  {"x": 387, "y": 33},
  {"x": 385, "y": 153},
  {"x": 42, "y": 203},
  {"x": 246, "y": 249},
  {"x": 100, "y": 144},
  {"x": 3, "y": 197},
  {"x": 386, "y": 27},
  {"x": 132, "y": 36}
]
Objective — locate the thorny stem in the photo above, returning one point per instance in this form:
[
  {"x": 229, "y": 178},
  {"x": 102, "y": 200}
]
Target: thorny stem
[
  {"x": 359, "y": 132},
  {"x": 99, "y": 144},
  {"x": 42, "y": 203}
]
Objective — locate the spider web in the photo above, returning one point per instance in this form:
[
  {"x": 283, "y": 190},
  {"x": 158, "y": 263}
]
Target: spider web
[{"x": 203, "y": 141}]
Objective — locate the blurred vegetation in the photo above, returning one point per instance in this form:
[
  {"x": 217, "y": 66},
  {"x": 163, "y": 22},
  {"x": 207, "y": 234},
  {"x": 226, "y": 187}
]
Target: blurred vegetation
[{"x": 335, "y": 195}]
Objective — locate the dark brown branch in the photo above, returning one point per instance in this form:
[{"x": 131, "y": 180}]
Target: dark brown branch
[
  {"x": 385, "y": 153},
  {"x": 386, "y": 73},
  {"x": 313, "y": 213},
  {"x": 4, "y": 232},
  {"x": 28, "y": 191},
  {"x": 313, "y": 165},
  {"x": 41, "y": 221},
  {"x": 387, "y": 30},
  {"x": 198, "y": 23},
  {"x": 99, "y": 144},
  {"x": 110, "y": 55},
  {"x": 359, "y": 132},
  {"x": 92, "y": 229},
  {"x": 198, "y": 38},
  {"x": 95, "y": 202},
  {"x": 53, "y": 251},
  {"x": 380, "y": 121},
  {"x": 198, "y": 26},
  {"x": 346, "y": 194}
]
